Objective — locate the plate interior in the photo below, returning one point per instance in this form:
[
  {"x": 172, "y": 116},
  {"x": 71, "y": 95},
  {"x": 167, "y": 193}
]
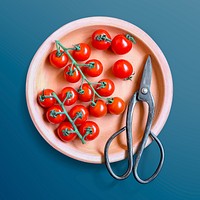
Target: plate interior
[{"x": 46, "y": 76}]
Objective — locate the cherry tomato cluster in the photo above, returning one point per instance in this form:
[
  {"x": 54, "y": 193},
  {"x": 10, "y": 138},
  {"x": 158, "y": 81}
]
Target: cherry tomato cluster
[
  {"x": 120, "y": 44},
  {"x": 101, "y": 40},
  {"x": 75, "y": 122},
  {"x": 56, "y": 114}
]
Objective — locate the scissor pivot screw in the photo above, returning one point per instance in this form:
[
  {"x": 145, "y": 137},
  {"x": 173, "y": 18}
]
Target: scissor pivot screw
[{"x": 144, "y": 90}]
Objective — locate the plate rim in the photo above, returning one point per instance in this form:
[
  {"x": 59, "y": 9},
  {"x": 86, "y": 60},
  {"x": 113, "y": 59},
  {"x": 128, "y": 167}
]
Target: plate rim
[{"x": 119, "y": 23}]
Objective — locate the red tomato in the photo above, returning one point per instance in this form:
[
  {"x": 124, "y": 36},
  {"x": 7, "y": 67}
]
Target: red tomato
[
  {"x": 101, "y": 39},
  {"x": 69, "y": 92},
  {"x": 58, "y": 61},
  {"x": 79, "y": 113},
  {"x": 95, "y": 69},
  {"x": 99, "y": 109},
  {"x": 82, "y": 52},
  {"x": 85, "y": 94},
  {"x": 121, "y": 45},
  {"x": 117, "y": 106},
  {"x": 122, "y": 69},
  {"x": 89, "y": 129},
  {"x": 71, "y": 74},
  {"x": 46, "y": 102},
  {"x": 106, "y": 88},
  {"x": 52, "y": 115},
  {"x": 64, "y": 130}
]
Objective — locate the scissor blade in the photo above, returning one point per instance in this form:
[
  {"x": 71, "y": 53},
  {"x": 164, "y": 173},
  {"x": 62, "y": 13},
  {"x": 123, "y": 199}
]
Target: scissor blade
[{"x": 146, "y": 76}]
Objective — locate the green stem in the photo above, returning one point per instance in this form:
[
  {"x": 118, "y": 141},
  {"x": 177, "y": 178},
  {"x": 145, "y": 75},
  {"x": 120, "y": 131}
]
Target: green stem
[
  {"x": 81, "y": 87},
  {"x": 93, "y": 100},
  {"x": 59, "y": 113},
  {"x": 58, "y": 44},
  {"x": 84, "y": 65},
  {"x": 95, "y": 83},
  {"x": 78, "y": 115},
  {"x": 68, "y": 96},
  {"x": 69, "y": 118},
  {"x": 58, "y": 50}
]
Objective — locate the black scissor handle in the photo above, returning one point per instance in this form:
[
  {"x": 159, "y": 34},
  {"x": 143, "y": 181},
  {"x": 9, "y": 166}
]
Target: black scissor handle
[
  {"x": 155, "y": 174},
  {"x": 107, "y": 161}
]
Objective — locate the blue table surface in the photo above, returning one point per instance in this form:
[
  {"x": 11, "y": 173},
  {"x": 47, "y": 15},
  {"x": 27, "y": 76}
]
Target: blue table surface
[{"x": 31, "y": 169}]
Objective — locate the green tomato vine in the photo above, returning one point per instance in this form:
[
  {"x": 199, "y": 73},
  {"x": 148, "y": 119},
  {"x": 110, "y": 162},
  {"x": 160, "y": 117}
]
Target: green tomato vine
[{"x": 77, "y": 65}]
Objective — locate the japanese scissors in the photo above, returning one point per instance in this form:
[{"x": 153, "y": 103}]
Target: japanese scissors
[{"x": 142, "y": 95}]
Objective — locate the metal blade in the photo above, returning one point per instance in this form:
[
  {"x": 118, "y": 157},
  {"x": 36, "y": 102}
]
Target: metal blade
[{"x": 146, "y": 76}]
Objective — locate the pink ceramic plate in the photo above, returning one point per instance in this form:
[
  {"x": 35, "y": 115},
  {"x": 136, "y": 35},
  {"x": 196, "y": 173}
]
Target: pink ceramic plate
[{"x": 42, "y": 75}]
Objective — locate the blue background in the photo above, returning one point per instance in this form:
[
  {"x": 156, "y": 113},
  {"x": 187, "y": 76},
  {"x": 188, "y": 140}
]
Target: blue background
[{"x": 32, "y": 169}]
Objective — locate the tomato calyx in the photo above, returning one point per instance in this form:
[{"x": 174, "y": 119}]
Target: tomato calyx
[
  {"x": 103, "y": 37},
  {"x": 54, "y": 114},
  {"x": 131, "y": 38},
  {"x": 93, "y": 104},
  {"x": 78, "y": 115},
  {"x": 110, "y": 100},
  {"x": 102, "y": 85},
  {"x": 43, "y": 96},
  {"x": 77, "y": 47},
  {"x": 91, "y": 65},
  {"x": 59, "y": 53},
  {"x": 80, "y": 91},
  {"x": 68, "y": 96},
  {"x": 71, "y": 71},
  {"x": 130, "y": 77},
  {"x": 88, "y": 132},
  {"x": 67, "y": 132}
]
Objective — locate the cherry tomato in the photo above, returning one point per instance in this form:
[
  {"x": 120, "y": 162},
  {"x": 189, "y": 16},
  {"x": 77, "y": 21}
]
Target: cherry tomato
[
  {"x": 85, "y": 93},
  {"x": 71, "y": 74},
  {"x": 46, "y": 102},
  {"x": 99, "y": 109},
  {"x": 121, "y": 45},
  {"x": 117, "y": 106},
  {"x": 58, "y": 61},
  {"x": 101, "y": 39},
  {"x": 79, "y": 113},
  {"x": 82, "y": 52},
  {"x": 95, "y": 69},
  {"x": 122, "y": 69},
  {"x": 70, "y": 93},
  {"x": 63, "y": 132},
  {"x": 90, "y": 129},
  {"x": 106, "y": 88},
  {"x": 52, "y": 115}
]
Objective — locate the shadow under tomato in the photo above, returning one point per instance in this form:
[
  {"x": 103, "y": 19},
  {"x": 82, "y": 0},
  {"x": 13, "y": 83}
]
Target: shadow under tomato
[{"x": 110, "y": 74}]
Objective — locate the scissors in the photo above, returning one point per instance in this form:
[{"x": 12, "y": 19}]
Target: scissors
[{"x": 142, "y": 95}]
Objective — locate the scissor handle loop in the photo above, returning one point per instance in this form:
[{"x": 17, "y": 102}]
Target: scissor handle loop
[
  {"x": 107, "y": 161},
  {"x": 155, "y": 174}
]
